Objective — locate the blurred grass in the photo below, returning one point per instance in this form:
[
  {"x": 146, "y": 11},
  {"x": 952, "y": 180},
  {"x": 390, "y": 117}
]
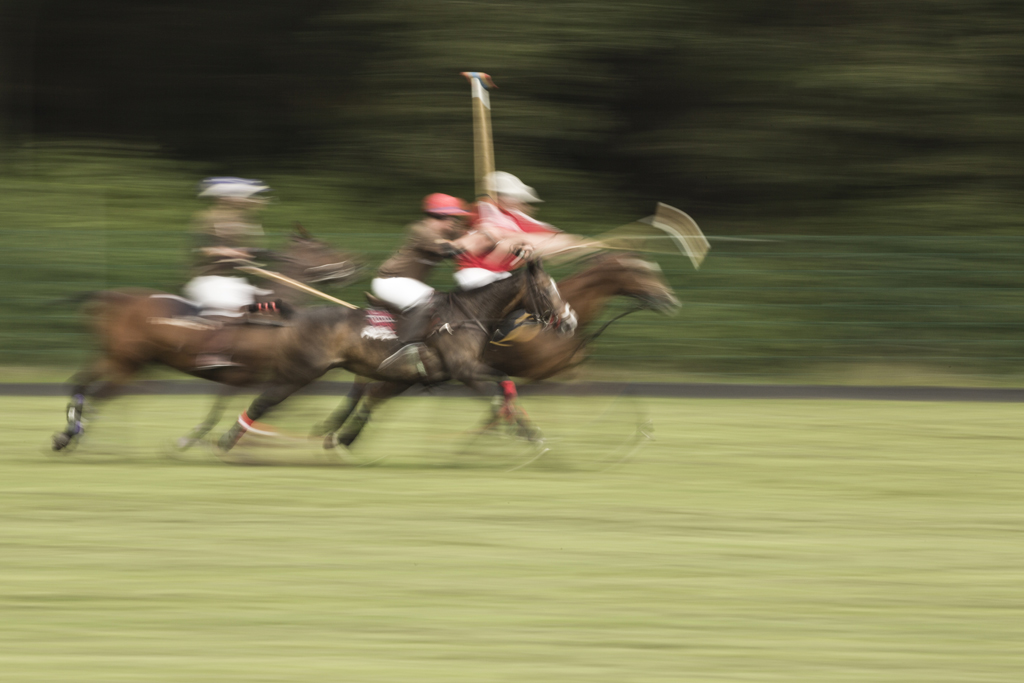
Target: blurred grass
[
  {"x": 768, "y": 541},
  {"x": 904, "y": 290}
]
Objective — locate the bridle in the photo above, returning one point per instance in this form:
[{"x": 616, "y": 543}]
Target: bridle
[
  {"x": 558, "y": 315},
  {"x": 532, "y": 296}
]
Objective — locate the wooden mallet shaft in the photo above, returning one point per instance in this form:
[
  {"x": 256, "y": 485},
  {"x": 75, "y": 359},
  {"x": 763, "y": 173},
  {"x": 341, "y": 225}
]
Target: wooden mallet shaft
[
  {"x": 483, "y": 145},
  {"x": 294, "y": 284}
]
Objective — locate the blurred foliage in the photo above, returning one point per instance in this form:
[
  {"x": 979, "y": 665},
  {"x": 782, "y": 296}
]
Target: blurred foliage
[
  {"x": 741, "y": 107},
  {"x": 82, "y": 219},
  {"x": 885, "y": 139}
]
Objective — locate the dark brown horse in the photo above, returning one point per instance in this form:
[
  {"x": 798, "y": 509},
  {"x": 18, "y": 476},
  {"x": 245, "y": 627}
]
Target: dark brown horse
[
  {"x": 137, "y": 328},
  {"x": 326, "y": 338},
  {"x": 540, "y": 352}
]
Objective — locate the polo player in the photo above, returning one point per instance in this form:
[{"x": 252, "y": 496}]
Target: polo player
[
  {"x": 508, "y": 220},
  {"x": 224, "y": 235}
]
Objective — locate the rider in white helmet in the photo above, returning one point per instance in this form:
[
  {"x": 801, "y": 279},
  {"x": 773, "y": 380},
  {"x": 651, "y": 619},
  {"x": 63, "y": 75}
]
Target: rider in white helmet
[
  {"x": 507, "y": 223},
  {"x": 225, "y": 233}
]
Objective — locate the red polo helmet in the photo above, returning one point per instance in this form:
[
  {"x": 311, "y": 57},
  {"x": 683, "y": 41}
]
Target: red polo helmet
[{"x": 438, "y": 204}]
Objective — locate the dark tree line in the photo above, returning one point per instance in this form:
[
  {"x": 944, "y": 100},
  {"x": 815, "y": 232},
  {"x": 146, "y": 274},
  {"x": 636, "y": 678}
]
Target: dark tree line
[{"x": 737, "y": 106}]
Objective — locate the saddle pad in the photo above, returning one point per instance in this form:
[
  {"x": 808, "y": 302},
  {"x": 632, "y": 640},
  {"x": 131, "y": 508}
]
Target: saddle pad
[
  {"x": 520, "y": 326},
  {"x": 380, "y": 324}
]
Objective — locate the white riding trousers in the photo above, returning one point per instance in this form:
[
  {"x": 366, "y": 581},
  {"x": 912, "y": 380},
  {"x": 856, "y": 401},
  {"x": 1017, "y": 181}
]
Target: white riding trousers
[
  {"x": 472, "y": 278},
  {"x": 402, "y": 292},
  {"x": 221, "y": 295}
]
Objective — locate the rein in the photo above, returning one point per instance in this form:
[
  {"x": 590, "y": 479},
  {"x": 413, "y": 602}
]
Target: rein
[
  {"x": 472, "y": 320},
  {"x": 591, "y": 337},
  {"x": 534, "y": 301}
]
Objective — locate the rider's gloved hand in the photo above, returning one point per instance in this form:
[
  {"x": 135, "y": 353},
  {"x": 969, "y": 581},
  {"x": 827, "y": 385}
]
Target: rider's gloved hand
[
  {"x": 278, "y": 306},
  {"x": 523, "y": 251},
  {"x": 449, "y": 249}
]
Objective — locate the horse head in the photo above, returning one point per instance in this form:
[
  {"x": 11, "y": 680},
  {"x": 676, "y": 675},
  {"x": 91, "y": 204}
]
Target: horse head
[
  {"x": 546, "y": 301},
  {"x": 642, "y": 280},
  {"x": 314, "y": 262}
]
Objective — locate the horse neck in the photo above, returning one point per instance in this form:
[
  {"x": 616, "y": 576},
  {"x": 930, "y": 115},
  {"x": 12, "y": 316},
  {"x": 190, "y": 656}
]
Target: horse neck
[
  {"x": 587, "y": 292},
  {"x": 489, "y": 302}
]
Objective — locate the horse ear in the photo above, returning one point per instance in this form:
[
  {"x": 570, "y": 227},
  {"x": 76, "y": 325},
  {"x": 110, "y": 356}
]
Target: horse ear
[{"x": 301, "y": 231}]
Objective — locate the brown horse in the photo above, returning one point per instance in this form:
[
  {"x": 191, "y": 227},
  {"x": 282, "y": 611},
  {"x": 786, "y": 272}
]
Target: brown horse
[
  {"x": 313, "y": 262},
  {"x": 138, "y": 327},
  {"x": 327, "y": 338},
  {"x": 588, "y": 291},
  {"x": 541, "y": 352}
]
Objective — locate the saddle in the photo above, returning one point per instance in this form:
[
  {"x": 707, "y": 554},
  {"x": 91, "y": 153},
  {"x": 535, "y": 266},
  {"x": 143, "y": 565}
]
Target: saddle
[
  {"x": 381, "y": 318},
  {"x": 518, "y": 327},
  {"x": 375, "y": 302},
  {"x": 385, "y": 321},
  {"x": 189, "y": 314},
  {"x": 186, "y": 314}
]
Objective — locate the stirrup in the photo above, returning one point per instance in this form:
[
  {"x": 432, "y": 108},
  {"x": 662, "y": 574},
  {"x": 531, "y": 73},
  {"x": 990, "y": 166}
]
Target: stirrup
[
  {"x": 400, "y": 356},
  {"x": 214, "y": 361}
]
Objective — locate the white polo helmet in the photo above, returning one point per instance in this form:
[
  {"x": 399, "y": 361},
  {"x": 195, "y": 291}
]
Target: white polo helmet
[
  {"x": 512, "y": 187},
  {"x": 238, "y": 188}
]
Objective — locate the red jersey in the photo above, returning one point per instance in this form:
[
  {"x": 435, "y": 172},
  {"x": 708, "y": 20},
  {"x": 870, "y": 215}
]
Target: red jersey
[{"x": 493, "y": 216}]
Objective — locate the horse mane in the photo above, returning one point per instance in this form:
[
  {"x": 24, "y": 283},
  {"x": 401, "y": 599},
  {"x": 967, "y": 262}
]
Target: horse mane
[
  {"x": 591, "y": 265},
  {"x": 487, "y": 296},
  {"x": 598, "y": 263}
]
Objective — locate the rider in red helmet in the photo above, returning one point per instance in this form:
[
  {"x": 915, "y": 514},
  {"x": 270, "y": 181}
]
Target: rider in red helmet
[{"x": 400, "y": 279}]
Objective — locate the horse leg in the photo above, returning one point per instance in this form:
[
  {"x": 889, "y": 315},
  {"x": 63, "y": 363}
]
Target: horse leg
[
  {"x": 336, "y": 419},
  {"x": 465, "y": 366},
  {"x": 270, "y": 398},
  {"x": 513, "y": 413},
  {"x": 211, "y": 419},
  {"x": 505, "y": 408},
  {"x": 83, "y": 384},
  {"x": 354, "y": 427},
  {"x": 75, "y": 426}
]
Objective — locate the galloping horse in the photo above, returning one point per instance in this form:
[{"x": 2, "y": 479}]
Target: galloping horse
[
  {"x": 588, "y": 291},
  {"x": 139, "y": 327},
  {"x": 542, "y": 352},
  {"x": 325, "y": 338}
]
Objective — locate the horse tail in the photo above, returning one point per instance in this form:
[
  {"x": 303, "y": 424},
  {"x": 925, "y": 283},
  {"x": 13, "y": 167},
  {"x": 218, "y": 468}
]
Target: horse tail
[
  {"x": 96, "y": 295},
  {"x": 72, "y": 300}
]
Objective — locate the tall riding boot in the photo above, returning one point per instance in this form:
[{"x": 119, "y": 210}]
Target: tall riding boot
[{"x": 411, "y": 328}]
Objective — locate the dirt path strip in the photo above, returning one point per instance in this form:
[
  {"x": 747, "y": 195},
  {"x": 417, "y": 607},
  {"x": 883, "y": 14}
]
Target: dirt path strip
[{"x": 640, "y": 389}]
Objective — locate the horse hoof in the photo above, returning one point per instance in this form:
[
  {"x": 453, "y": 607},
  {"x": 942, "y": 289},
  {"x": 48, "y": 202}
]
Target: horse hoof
[
  {"x": 330, "y": 442},
  {"x": 184, "y": 443},
  {"x": 225, "y": 443},
  {"x": 60, "y": 441}
]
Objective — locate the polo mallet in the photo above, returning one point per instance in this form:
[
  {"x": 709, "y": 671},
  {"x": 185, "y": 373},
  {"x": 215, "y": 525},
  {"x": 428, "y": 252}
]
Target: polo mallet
[
  {"x": 483, "y": 145},
  {"x": 668, "y": 231},
  {"x": 682, "y": 229},
  {"x": 294, "y": 284}
]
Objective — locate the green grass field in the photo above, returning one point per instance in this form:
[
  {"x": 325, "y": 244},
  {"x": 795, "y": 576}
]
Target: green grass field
[{"x": 752, "y": 541}]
